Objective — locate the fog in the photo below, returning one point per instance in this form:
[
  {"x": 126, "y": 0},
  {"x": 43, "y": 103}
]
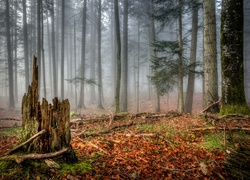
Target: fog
[{"x": 139, "y": 50}]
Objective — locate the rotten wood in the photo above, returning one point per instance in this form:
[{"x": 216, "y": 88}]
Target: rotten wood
[{"x": 53, "y": 118}]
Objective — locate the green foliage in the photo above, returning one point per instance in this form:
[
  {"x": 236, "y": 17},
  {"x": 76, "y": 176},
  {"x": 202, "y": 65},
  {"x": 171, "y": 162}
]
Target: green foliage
[
  {"x": 82, "y": 167},
  {"x": 76, "y": 80},
  {"x": 234, "y": 109},
  {"x": 166, "y": 66}
]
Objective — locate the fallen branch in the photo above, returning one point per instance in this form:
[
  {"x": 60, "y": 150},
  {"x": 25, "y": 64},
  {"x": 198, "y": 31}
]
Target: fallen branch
[
  {"x": 26, "y": 142},
  {"x": 211, "y": 105},
  {"x": 220, "y": 128},
  {"x": 93, "y": 145},
  {"x": 21, "y": 158}
]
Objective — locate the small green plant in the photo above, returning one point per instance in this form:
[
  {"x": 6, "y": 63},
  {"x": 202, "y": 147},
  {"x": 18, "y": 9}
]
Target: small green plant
[
  {"x": 145, "y": 127},
  {"x": 73, "y": 114},
  {"x": 101, "y": 115},
  {"x": 96, "y": 154},
  {"x": 214, "y": 141}
]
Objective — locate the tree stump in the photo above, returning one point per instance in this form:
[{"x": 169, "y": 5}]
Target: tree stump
[{"x": 55, "y": 119}]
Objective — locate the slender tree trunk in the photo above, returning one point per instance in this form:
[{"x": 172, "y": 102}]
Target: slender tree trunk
[
  {"x": 26, "y": 56},
  {"x": 15, "y": 49},
  {"x": 138, "y": 68},
  {"x": 43, "y": 61},
  {"x": 191, "y": 75},
  {"x": 93, "y": 51},
  {"x": 62, "y": 51},
  {"x": 210, "y": 56},
  {"x": 125, "y": 57},
  {"x": 81, "y": 99},
  {"x": 180, "y": 63},
  {"x": 10, "y": 60},
  {"x": 118, "y": 43},
  {"x": 39, "y": 42},
  {"x": 53, "y": 51},
  {"x": 99, "y": 57},
  {"x": 75, "y": 62}
]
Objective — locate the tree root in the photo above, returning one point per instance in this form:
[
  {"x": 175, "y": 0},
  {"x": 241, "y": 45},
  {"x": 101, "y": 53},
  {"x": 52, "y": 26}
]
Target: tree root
[{"x": 21, "y": 158}]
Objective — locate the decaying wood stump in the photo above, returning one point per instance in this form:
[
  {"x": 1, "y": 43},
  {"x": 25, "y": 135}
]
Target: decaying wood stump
[{"x": 55, "y": 119}]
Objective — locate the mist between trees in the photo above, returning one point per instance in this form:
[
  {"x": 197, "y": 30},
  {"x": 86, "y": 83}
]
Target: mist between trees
[{"x": 109, "y": 53}]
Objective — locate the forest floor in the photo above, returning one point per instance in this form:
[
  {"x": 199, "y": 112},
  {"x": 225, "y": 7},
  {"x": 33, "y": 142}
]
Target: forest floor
[{"x": 142, "y": 146}]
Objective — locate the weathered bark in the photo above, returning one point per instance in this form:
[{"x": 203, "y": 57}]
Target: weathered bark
[
  {"x": 232, "y": 64},
  {"x": 210, "y": 56},
  {"x": 55, "y": 119}
]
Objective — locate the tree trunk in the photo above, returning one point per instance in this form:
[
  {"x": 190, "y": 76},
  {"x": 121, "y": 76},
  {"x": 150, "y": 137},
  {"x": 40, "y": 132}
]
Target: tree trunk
[
  {"x": 191, "y": 75},
  {"x": 55, "y": 119},
  {"x": 39, "y": 2},
  {"x": 180, "y": 68},
  {"x": 62, "y": 51},
  {"x": 26, "y": 56},
  {"x": 232, "y": 64},
  {"x": 81, "y": 99},
  {"x": 99, "y": 72},
  {"x": 93, "y": 51},
  {"x": 125, "y": 58},
  {"x": 210, "y": 56},
  {"x": 118, "y": 43},
  {"x": 10, "y": 60},
  {"x": 53, "y": 51},
  {"x": 75, "y": 62},
  {"x": 138, "y": 68}
]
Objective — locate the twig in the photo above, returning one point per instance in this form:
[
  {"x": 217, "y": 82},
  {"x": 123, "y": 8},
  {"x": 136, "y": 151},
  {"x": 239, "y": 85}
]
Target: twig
[
  {"x": 26, "y": 142},
  {"x": 111, "y": 118},
  {"x": 214, "y": 103},
  {"x": 95, "y": 146},
  {"x": 21, "y": 158}
]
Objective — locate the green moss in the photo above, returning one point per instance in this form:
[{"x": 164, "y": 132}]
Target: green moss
[
  {"x": 234, "y": 109},
  {"x": 82, "y": 167}
]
